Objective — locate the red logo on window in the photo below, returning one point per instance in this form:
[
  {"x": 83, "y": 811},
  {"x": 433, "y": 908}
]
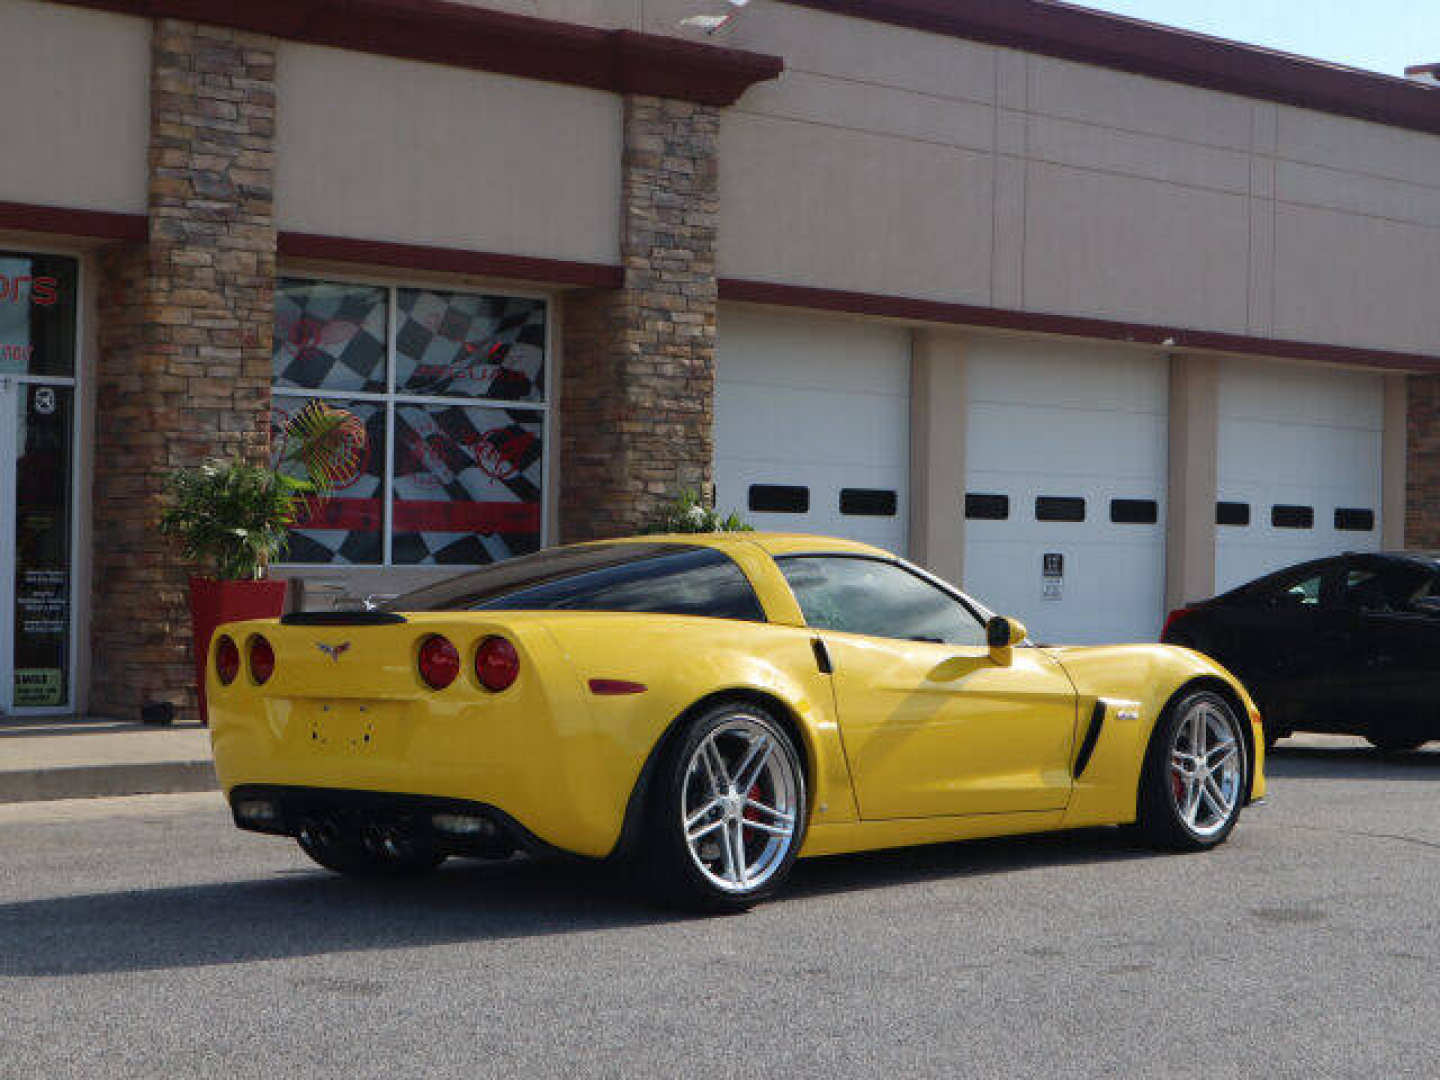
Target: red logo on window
[{"x": 43, "y": 291}]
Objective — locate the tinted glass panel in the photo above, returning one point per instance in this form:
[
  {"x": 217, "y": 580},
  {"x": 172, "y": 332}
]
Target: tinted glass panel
[
  {"x": 1355, "y": 520},
  {"x": 468, "y": 345},
  {"x": 37, "y": 314},
  {"x": 779, "y": 499},
  {"x": 982, "y": 507},
  {"x": 1298, "y": 592},
  {"x": 41, "y": 531},
  {"x": 865, "y": 596},
  {"x": 867, "y": 501},
  {"x": 348, "y": 528},
  {"x": 673, "y": 579},
  {"x": 1059, "y": 508},
  {"x": 330, "y": 335},
  {"x": 1380, "y": 587},
  {"x": 1134, "y": 511},
  {"x": 466, "y": 484},
  {"x": 1232, "y": 513},
  {"x": 1292, "y": 517}
]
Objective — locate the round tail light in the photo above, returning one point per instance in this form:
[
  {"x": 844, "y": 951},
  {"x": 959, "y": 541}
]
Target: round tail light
[
  {"x": 262, "y": 660},
  {"x": 497, "y": 664},
  {"x": 439, "y": 662},
  {"x": 227, "y": 659}
]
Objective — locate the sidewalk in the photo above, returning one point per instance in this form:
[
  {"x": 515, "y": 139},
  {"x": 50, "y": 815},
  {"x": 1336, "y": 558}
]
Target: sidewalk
[{"x": 75, "y": 758}]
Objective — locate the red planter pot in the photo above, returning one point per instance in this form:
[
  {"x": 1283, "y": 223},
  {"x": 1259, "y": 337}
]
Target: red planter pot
[{"x": 215, "y": 602}]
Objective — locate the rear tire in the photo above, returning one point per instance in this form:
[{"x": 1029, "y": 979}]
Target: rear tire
[
  {"x": 1195, "y": 776},
  {"x": 382, "y": 856},
  {"x": 727, "y": 812}
]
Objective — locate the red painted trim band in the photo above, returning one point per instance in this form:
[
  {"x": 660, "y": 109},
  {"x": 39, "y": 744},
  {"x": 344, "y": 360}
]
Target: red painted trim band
[
  {"x": 65, "y": 221},
  {"x": 1167, "y": 337},
  {"x": 623, "y": 61},
  {"x": 1161, "y": 52},
  {"x": 449, "y": 260}
]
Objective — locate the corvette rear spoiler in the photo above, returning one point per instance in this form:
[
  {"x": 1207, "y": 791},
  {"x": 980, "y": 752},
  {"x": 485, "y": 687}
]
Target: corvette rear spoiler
[{"x": 342, "y": 618}]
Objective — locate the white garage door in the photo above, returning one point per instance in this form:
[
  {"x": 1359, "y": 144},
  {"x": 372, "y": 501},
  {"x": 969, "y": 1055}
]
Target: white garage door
[
  {"x": 812, "y": 424},
  {"x": 1299, "y": 470},
  {"x": 1065, "y": 459}
]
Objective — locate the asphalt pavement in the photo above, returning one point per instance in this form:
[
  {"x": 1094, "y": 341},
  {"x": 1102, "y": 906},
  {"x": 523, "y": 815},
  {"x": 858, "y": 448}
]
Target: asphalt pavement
[{"x": 145, "y": 936}]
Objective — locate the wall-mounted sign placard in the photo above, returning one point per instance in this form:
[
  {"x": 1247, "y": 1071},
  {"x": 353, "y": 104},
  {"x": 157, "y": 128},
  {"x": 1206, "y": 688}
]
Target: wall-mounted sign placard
[{"x": 39, "y": 687}]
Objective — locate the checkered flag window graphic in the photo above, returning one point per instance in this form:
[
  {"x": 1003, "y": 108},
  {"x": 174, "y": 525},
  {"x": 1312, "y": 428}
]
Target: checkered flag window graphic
[
  {"x": 467, "y": 476},
  {"x": 330, "y": 336},
  {"x": 470, "y": 346}
]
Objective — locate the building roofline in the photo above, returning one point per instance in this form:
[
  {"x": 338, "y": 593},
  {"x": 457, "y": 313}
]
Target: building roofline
[
  {"x": 459, "y": 35},
  {"x": 1161, "y": 52}
]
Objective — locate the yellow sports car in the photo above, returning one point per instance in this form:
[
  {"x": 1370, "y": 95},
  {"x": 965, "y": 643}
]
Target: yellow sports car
[{"x": 711, "y": 707}]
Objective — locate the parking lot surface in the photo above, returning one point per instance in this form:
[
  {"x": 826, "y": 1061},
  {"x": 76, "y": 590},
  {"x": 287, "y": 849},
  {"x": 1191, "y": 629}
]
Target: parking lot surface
[{"x": 146, "y": 936}]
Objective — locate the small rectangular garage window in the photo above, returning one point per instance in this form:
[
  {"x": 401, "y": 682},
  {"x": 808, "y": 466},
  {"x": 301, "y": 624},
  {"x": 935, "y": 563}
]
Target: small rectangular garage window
[
  {"x": 779, "y": 499},
  {"x": 1292, "y": 517},
  {"x": 1134, "y": 511},
  {"x": 867, "y": 502},
  {"x": 982, "y": 507},
  {"x": 1059, "y": 508},
  {"x": 1352, "y": 520},
  {"x": 1232, "y": 513}
]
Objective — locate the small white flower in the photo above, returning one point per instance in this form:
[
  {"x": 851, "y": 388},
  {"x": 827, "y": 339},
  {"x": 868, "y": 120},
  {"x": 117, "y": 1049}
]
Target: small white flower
[{"x": 696, "y": 515}]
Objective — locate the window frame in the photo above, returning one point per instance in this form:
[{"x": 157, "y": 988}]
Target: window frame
[
  {"x": 977, "y": 611},
  {"x": 389, "y": 398}
]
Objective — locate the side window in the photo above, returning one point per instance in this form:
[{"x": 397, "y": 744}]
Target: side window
[
  {"x": 1384, "y": 588},
  {"x": 1303, "y": 593},
  {"x": 866, "y": 596},
  {"x": 689, "y": 582}
]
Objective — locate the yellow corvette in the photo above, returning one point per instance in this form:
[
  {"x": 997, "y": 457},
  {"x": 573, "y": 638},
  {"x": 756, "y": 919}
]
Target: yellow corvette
[{"x": 713, "y": 707}]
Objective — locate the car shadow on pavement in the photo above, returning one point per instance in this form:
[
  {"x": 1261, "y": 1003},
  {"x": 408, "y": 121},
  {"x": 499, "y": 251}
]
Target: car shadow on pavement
[
  {"x": 968, "y": 858},
  {"x": 304, "y": 912},
  {"x": 1350, "y": 763}
]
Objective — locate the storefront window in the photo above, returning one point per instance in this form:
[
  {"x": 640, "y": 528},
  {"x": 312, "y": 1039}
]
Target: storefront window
[
  {"x": 37, "y": 314},
  {"x": 453, "y": 400}
]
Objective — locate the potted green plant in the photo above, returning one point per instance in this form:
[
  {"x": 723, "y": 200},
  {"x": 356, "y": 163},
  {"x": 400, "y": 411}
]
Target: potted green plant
[
  {"x": 233, "y": 519},
  {"x": 687, "y": 513}
]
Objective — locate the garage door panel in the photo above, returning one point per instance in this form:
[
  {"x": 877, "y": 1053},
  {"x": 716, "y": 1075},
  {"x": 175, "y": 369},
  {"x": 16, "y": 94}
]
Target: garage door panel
[
  {"x": 1297, "y": 436},
  {"x": 1058, "y": 419},
  {"x": 814, "y": 402},
  {"x": 1026, "y": 437},
  {"x": 1091, "y": 378}
]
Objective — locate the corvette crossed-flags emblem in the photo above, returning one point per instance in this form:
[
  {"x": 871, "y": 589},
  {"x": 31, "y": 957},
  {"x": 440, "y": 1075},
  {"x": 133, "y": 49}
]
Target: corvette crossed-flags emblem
[{"x": 333, "y": 651}]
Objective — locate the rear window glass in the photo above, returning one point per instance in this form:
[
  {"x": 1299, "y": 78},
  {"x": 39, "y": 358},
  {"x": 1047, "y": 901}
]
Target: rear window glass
[{"x": 664, "y": 579}]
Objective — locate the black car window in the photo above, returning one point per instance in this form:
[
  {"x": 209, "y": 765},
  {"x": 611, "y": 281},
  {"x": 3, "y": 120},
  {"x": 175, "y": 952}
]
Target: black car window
[
  {"x": 1302, "y": 591},
  {"x": 1385, "y": 587},
  {"x": 868, "y": 596},
  {"x": 663, "y": 579}
]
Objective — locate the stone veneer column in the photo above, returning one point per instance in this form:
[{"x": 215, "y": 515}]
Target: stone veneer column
[
  {"x": 638, "y": 383},
  {"x": 185, "y": 331},
  {"x": 1422, "y": 462}
]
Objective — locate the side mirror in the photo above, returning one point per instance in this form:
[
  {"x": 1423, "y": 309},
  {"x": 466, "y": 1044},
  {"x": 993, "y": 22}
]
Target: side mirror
[{"x": 1003, "y": 633}]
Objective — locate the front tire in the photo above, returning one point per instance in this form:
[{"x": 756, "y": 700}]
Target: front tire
[
  {"x": 1195, "y": 776},
  {"x": 727, "y": 812}
]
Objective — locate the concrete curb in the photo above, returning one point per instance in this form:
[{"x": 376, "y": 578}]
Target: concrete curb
[{"x": 90, "y": 781}]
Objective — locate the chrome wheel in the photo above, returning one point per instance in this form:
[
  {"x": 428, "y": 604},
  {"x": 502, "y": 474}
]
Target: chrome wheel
[
  {"x": 742, "y": 791},
  {"x": 1207, "y": 768}
]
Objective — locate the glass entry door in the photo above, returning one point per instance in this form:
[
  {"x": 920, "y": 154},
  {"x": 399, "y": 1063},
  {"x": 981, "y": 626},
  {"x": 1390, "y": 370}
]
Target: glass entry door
[{"x": 37, "y": 482}]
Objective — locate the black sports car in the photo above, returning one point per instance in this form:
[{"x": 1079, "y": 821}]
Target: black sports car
[{"x": 1348, "y": 644}]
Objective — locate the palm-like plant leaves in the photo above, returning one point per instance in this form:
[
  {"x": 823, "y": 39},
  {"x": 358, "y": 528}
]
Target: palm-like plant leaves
[{"x": 237, "y": 517}]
